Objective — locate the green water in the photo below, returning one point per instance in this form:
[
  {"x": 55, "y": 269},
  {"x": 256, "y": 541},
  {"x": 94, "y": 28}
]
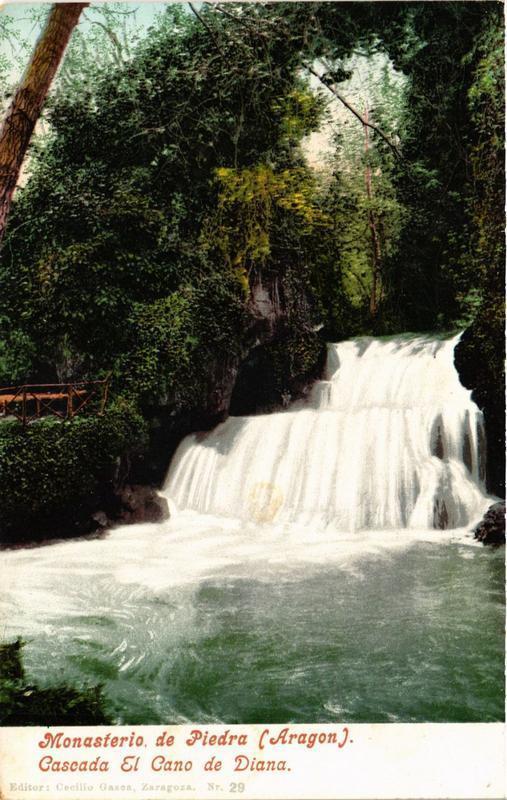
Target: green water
[{"x": 216, "y": 627}]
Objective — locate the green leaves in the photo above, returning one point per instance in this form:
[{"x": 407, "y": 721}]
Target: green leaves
[
  {"x": 17, "y": 353},
  {"x": 111, "y": 263},
  {"x": 26, "y": 704},
  {"x": 54, "y": 467},
  {"x": 172, "y": 178}
]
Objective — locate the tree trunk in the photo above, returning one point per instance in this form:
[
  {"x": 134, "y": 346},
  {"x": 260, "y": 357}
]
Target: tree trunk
[
  {"x": 29, "y": 98},
  {"x": 375, "y": 240}
]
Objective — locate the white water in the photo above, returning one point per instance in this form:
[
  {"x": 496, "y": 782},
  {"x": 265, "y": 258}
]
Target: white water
[
  {"x": 389, "y": 440},
  {"x": 258, "y": 600}
]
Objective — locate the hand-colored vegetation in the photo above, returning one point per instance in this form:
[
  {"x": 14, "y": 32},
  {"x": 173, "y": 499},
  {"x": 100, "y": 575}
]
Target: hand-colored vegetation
[
  {"x": 54, "y": 473},
  {"x": 171, "y": 181},
  {"x": 23, "y": 703}
]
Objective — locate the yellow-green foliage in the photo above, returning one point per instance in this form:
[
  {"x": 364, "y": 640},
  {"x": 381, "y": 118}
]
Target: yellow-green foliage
[
  {"x": 248, "y": 201},
  {"x": 301, "y": 111}
]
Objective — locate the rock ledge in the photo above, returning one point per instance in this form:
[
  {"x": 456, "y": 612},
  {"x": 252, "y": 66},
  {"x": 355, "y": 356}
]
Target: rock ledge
[{"x": 491, "y": 528}]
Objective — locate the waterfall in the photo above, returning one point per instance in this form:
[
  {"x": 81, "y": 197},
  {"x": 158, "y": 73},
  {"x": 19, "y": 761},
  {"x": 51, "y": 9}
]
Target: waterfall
[
  {"x": 304, "y": 576},
  {"x": 389, "y": 439}
]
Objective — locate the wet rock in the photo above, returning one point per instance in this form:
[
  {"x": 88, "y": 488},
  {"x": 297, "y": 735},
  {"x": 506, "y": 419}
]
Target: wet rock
[
  {"x": 142, "y": 504},
  {"x": 440, "y": 515},
  {"x": 479, "y": 359},
  {"x": 101, "y": 519},
  {"x": 491, "y": 529}
]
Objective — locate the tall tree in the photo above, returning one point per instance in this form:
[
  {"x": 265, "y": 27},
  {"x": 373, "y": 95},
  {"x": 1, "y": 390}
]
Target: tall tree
[
  {"x": 376, "y": 254},
  {"x": 30, "y": 96}
]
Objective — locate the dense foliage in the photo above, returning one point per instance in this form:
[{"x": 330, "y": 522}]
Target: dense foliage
[
  {"x": 440, "y": 281},
  {"x": 51, "y": 471},
  {"x": 23, "y": 703},
  {"x": 179, "y": 175},
  {"x": 130, "y": 253},
  {"x": 170, "y": 198}
]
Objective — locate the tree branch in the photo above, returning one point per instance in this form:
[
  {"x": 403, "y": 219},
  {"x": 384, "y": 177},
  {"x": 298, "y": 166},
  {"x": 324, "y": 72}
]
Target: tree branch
[
  {"x": 366, "y": 123},
  {"x": 112, "y": 36},
  {"x": 205, "y": 24},
  {"x": 227, "y": 13}
]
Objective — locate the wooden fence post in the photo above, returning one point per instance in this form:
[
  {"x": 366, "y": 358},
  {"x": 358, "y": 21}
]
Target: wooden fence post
[{"x": 70, "y": 409}]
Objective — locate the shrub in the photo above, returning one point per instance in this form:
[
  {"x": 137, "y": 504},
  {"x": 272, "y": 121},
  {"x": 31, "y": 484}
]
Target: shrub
[
  {"x": 22, "y": 703},
  {"x": 52, "y": 468}
]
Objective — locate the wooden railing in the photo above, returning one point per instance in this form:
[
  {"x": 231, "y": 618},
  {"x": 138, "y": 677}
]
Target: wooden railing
[{"x": 32, "y": 401}]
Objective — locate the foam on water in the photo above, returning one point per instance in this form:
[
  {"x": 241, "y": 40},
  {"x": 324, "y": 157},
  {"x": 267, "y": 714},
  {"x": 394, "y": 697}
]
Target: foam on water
[
  {"x": 390, "y": 439},
  {"x": 385, "y": 451},
  {"x": 258, "y": 598}
]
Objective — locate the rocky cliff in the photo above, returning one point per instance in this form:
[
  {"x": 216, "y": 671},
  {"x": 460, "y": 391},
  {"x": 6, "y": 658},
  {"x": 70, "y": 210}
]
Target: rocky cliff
[{"x": 479, "y": 359}]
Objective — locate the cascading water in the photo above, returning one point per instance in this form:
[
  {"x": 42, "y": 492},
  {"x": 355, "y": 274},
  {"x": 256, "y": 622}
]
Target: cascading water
[
  {"x": 302, "y": 578},
  {"x": 389, "y": 439}
]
